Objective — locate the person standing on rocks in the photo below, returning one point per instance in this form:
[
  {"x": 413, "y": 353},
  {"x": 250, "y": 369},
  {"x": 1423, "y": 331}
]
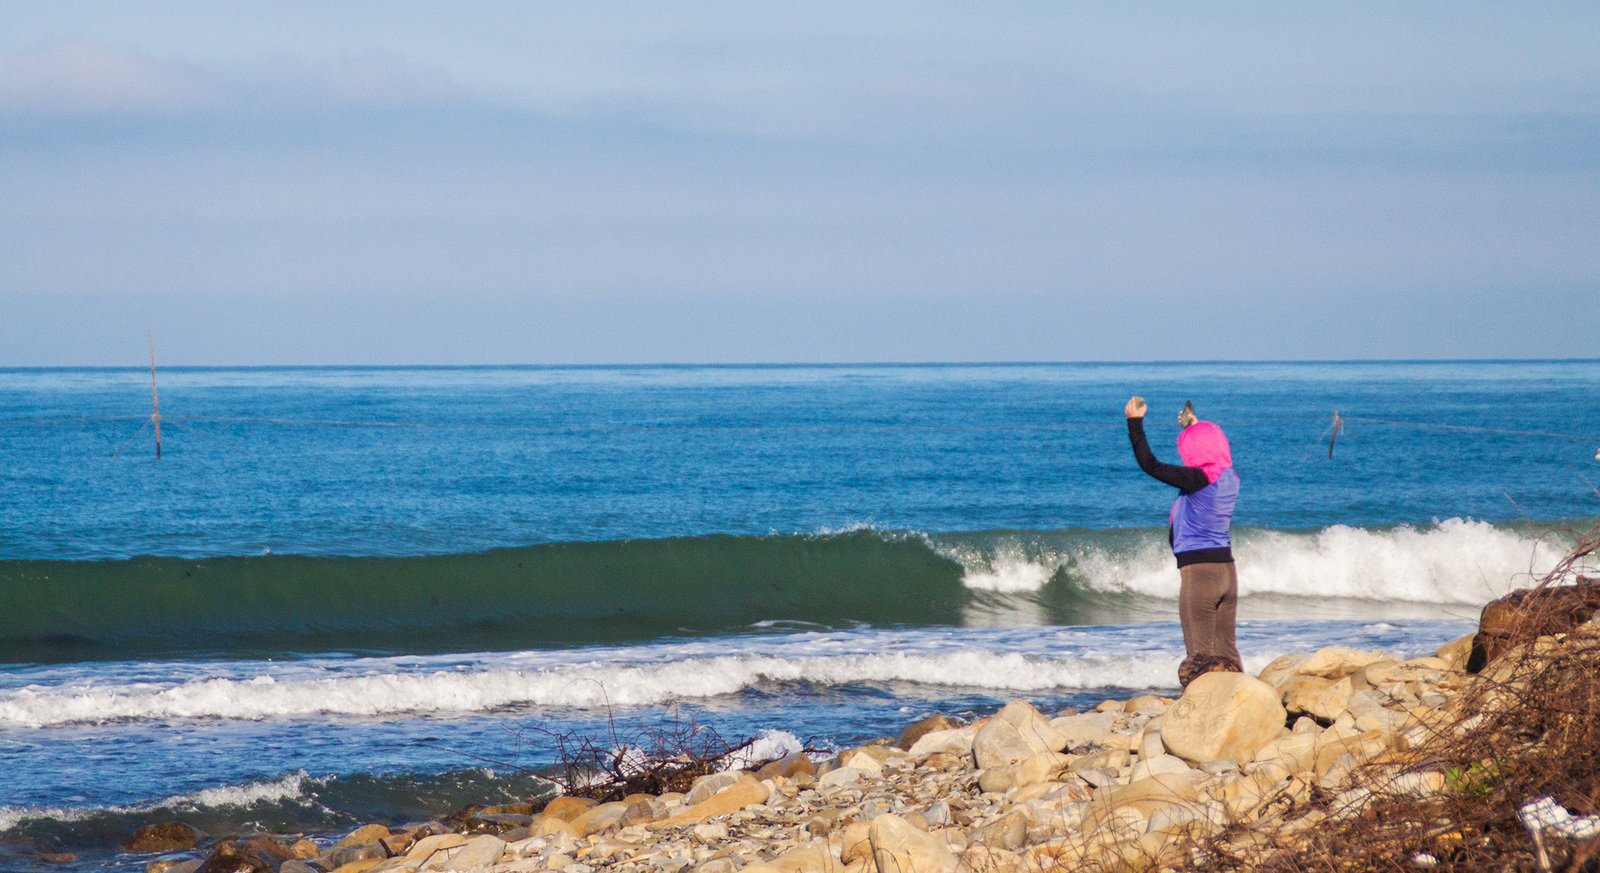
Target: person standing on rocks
[{"x": 1208, "y": 487}]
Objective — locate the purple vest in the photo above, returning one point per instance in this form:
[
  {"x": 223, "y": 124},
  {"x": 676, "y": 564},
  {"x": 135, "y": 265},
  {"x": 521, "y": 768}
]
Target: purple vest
[{"x": 1200, "y": 520}]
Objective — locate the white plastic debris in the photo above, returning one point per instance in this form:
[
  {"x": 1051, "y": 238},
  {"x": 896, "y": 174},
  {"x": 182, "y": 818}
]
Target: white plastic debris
[
  {"x": 1423, "y": 859},
  {"x": 1546, "y": 816}
]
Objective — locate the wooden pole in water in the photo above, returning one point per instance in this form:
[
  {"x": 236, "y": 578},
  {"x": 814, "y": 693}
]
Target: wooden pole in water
[{"x": 154, "y": 397}]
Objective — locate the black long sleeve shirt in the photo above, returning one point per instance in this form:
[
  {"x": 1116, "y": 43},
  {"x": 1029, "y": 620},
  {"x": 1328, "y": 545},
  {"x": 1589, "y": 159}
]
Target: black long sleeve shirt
[{"x": 1185, "y": 479}]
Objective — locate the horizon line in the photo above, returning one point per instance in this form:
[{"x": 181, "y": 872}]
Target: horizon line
[{"x": 781, "y": 365}]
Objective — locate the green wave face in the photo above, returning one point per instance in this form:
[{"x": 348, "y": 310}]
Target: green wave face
[{"x": 510, "y": 598}]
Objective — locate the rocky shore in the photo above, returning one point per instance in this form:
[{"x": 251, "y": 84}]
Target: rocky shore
[{"x": 1236, "y": 762}]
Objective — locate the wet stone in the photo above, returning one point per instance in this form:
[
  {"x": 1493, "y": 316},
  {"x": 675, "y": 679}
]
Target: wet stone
[{"x": 168, "y": 837}]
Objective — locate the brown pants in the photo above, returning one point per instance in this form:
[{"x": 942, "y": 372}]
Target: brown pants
[{"x": 1207, "y": 603}]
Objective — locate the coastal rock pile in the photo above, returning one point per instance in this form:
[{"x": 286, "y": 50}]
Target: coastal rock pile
[{"x": 1237, "y": 761}]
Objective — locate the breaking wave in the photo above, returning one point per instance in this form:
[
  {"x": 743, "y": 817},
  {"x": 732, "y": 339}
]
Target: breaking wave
[
  {"x": 1456, "y": 561},
  {"x": 593, "y": 685},
  {"x": 585, "y": 593}
]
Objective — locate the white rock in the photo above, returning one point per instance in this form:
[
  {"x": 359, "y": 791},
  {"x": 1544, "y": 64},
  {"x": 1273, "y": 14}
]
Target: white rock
[
  {"x": 1090, "y": 728},
  {"x": 1223, "y": 716},
  {"x": 861, "y": 761},
  {"x": 1282, "y": 669},
  {"x": 1417, "y": 784},
  {"x": 1350, "y": 803},
  {"x": 1155, "y": 766},
  {"x": 951, "y": 742},
  {"x": 480, "y": 851},
  {"x": 840, "y": 776},
  {"x": 1016, "y": 733},
  {"x": 1335, "y": 662},
  {"x": 1150, "y": 744},
  {"x": 899, "y": 847},
  {"x": 708, "y": 785}
]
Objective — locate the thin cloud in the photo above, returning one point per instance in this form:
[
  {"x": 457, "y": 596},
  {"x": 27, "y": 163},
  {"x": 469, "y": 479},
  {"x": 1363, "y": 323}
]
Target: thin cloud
[
  {"x": 84, "y": 77},
  {"x": 371, "y": 79}
]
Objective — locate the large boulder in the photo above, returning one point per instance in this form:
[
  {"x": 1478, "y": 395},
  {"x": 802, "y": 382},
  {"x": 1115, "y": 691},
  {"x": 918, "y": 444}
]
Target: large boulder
[
  {"x": 910, "y": 735},
  {"x": 1016, "y": 733},
  {"x": 854, "y": 844},
  {"x": 1223, "y": 716},
  {"x": 1457, "y": 652},
  {"x": 1529, "y": 613},
  {"x": 899, "y": 847}
]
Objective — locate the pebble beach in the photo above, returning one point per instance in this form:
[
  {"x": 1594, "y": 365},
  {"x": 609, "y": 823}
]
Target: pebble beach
[{"x": 1121, "y": 787}]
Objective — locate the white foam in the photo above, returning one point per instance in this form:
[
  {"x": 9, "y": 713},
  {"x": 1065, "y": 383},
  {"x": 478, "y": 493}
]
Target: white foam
[
  {"x": 592, "y": 684},
  {"x": 1009, "y": 575},
  {"x": 769, "y": 745},
  {"x": 285, "y": 788},
  {"x": 1457, "y": 561},
  {"x": 1009, "y": 567},
  {"x": 288, "y": 787}
]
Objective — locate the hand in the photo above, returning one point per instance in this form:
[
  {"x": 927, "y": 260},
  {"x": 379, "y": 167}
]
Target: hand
[{"x": 1135, "y": 408}]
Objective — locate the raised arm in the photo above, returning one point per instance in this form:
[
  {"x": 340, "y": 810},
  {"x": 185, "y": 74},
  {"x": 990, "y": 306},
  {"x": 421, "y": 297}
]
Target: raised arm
[{"x": 1185, "y": 479}]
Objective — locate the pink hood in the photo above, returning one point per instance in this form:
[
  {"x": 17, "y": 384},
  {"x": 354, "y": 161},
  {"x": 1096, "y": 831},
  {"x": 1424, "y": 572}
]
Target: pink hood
[{"x": 1203, "y": 445}]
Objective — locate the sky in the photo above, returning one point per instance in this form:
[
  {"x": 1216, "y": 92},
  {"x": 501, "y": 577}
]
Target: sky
[{"x": 602, "y": 182}]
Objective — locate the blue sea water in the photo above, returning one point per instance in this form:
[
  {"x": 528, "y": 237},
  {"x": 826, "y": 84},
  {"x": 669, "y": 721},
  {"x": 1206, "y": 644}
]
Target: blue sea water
[{"x": 339, "y": 591}]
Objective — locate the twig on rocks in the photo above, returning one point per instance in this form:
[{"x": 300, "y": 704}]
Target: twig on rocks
[{"x": 647, "y": 760}]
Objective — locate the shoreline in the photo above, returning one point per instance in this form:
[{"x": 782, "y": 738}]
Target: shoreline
[{"x": 1124, "y": 785}]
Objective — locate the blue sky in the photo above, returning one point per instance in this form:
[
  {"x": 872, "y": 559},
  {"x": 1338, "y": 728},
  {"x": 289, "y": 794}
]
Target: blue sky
[{"x": 633, "y": 182}]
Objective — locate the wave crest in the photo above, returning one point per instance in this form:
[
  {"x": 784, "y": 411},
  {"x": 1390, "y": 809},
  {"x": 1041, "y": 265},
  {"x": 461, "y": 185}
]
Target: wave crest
[
  {"x": 1453, "y": 562},
  {"x": 288, "y": 787},
  {"x": 591, "y": 685}
]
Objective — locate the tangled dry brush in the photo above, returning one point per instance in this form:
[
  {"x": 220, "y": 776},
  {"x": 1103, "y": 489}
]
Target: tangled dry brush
[{"x": 1527, "y": 727}]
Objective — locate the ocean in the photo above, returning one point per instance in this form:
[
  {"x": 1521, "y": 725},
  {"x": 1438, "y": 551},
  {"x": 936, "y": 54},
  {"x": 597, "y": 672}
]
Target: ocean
[{"x": 345, "y": 595}]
